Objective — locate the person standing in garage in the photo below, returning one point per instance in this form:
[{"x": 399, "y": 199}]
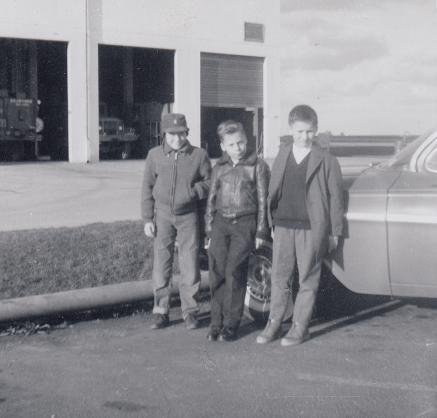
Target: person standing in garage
[
  {"x": 306, "y": 210},
  {"x": 176, "y": 178}
]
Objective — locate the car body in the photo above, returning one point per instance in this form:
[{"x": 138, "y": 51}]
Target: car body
[
  {"x": 390, "y": 244},
  {"x": 390, "y": 241}
]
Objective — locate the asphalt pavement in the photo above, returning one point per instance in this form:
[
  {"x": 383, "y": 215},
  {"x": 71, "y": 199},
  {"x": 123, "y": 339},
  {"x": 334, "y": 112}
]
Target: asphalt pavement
[{"x": 375, "y": 362}]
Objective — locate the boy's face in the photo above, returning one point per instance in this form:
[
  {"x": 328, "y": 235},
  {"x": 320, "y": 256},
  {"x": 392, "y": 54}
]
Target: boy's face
[
  {"x": 234, "y": 145},
  {"x": 176, "y": 140},
  {"x": 303, "y": 133}
]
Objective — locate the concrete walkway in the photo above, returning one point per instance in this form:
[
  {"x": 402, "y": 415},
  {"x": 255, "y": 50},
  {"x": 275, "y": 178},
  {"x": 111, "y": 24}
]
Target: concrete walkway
[{"x": 55, "y": 194}]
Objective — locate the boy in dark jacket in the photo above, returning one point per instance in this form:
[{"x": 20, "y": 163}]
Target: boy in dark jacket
[
  {"x": 236, "y": 218},
  {"x": 176, "y": 178},
  {"x": 305, "y": 207}
]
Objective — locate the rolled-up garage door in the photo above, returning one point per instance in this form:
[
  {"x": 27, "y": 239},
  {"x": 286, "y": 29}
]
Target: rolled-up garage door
[{"x": 231, "y": 81}]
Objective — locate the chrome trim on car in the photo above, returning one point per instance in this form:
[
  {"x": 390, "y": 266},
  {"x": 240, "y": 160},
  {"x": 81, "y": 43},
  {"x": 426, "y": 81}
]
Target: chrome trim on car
[
  {"x": 422, "y": 219},
  {"x": 416, "y": 162},
  {"x": 363, "y": 216}
]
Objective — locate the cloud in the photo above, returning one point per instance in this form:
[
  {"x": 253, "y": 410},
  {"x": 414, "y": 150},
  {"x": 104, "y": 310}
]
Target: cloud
[
  {"x": 328, "y": 5},
  {"x": 372, "y": 61},
  {"x": 391, "y": 76},
  {"x": 288, "y": 6},
  {"x": 335, "y": 53},
  {"x": 316, "y": 43}
]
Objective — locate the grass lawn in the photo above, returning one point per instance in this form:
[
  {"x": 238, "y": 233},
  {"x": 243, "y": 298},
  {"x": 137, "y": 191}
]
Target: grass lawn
[{"x": 50, "y": 260}]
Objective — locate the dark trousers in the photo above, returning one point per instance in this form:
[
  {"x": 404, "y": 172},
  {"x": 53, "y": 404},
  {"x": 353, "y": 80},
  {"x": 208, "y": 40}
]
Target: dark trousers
[{"x": 232, "y": 241}]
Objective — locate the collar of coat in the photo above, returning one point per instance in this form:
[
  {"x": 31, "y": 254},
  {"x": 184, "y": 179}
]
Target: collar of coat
[
  {"x": 316, "y": 156},
  {"x": 248, "y": 159},
  {"x": 167, "y": 149}
]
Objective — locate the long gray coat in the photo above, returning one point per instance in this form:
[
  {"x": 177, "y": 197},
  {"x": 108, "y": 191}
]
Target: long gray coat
[{"x": 324, "y": 193}]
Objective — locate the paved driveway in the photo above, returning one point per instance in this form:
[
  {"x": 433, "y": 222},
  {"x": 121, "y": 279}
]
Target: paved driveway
[
  {"x": 379, "y": 362},
  {"x": 54, "y": 194}
]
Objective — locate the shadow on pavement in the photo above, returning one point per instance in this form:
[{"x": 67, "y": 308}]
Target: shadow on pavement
[
  {"x": 339, "y": 307},
  {"x": 336, "y": 307}
]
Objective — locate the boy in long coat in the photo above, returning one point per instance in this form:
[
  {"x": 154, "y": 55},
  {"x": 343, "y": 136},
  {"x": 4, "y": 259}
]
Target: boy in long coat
[{"x": 305, "y": 206}]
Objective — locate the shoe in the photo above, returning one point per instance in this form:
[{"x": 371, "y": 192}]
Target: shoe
[
  {"x": 295, "y": 336},
  {"x": 227, "y": 334},
  {"x": 213, "y": 334},
  {"x": 160, "y": 321},
  {"x": 191, "y": 322},
  {"x": 270, "y": 333}
]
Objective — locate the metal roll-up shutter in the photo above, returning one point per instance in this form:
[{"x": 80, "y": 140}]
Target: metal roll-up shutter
[{"x": 231, "y": 81}]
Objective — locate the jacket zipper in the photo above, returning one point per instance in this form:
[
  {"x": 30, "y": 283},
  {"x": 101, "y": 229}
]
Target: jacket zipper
[{"x": 173, "y": 185}]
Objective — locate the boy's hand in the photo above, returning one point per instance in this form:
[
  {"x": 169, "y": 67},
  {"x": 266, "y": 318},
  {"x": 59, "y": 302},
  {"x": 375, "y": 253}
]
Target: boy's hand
[
  {"x": 149, "y": 229},
  {"x": 333, "y": 243},
  {"x": 207, "y": 243}
]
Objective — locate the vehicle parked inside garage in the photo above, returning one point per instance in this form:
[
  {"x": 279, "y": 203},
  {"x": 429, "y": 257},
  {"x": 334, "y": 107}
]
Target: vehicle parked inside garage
[
  {"x": 116, "y": 139},
  {"x": 20, "y": 127},
  {"x": 391, "y": 230}
]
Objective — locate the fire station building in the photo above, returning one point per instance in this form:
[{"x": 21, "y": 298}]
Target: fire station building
[{"x": 99, "y": 66}]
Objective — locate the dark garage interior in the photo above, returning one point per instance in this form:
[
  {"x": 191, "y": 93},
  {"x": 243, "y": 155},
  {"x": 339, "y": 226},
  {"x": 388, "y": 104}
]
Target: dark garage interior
[
  {"x": 52, "y": 89},
  {"x": 33, "y": 90},
  {"x": 136, "y": 85}
]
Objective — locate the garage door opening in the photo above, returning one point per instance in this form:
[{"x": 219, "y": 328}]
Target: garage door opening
[
  {"x": 33, "y": 100},
  {"x": 136, "y": 85},
  {"x": 231, "y": 88}
]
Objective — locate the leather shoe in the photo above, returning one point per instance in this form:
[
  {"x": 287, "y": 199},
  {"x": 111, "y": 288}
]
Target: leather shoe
[
  {"x": 191, "y": 322},
  {"x": 227, "y": 334},
  {"x": 270, "y": 332},
  {"x": 160, "y": 321},
  {"x": 213, "y": 334},
  {"x": 295, "y": 336}
]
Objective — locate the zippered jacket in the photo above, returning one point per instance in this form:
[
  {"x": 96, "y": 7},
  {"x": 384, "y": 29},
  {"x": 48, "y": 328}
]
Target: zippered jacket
[
  {"x": 238, "y": 191},
  {"x": 174, "y": 180}
]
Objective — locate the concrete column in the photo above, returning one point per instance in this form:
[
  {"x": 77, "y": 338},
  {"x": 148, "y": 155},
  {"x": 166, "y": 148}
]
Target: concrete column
[
  {"x": 94, "y": 30},
  {"x": 77, "y": 101},
  {"x": 271, "y": 103},
  {"x": 83, "y": 88},
  {"x": 187, "y": 89}
]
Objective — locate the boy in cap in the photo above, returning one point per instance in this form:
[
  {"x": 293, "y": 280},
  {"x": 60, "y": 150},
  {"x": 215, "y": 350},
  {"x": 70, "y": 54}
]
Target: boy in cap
[
  {"x": 176, "y": 178},
  {"x": 305, "y": 204}
]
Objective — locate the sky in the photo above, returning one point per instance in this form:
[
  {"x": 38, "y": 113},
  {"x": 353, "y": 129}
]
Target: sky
[{"x": 367, "y": 66}]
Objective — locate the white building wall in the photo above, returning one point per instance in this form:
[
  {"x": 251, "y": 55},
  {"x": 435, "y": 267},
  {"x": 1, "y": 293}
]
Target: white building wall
[
  {"x": 57, "y": 20},
  {"x": 189, "y": 27}
]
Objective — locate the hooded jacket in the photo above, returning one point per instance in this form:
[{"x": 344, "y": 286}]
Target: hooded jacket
[{"x": 239, "y": 190}]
